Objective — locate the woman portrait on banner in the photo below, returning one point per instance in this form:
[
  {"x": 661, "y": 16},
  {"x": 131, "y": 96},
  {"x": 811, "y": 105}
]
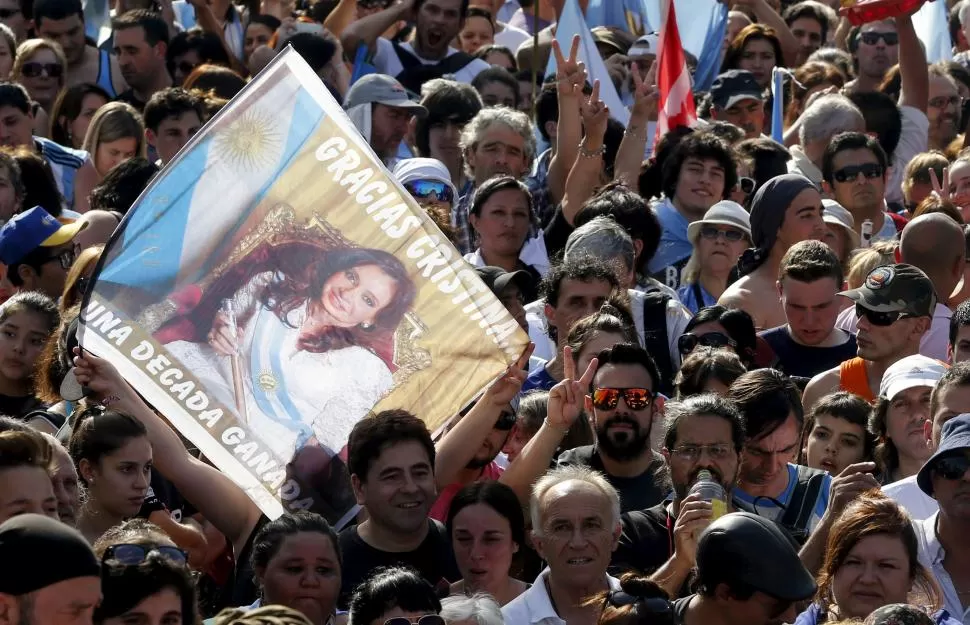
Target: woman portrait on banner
[{"x": 304, "y": 349}]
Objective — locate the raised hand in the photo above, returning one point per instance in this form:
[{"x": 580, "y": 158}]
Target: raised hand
[
  {"x": 566, "y": 399},
  {"x": 508, "y": 386},
  {"x": 854, "y": 480},
  {"x": 646, "y": 96},
  {"x": 595, "y": 114},
  {"x": 570, "y": 72},
  {"x": 694, "y": 516},
  {"x": 98, "y": 374}
]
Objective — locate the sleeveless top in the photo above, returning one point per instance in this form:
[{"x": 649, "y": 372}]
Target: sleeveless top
[
  {"x": 853, "y": 378},
  {"x": 64, "y": 163},
  {"x": 104, "y": 73}
]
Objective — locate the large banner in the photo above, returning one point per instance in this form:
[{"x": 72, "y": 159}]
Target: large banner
[{"x": 275, "y": 284}]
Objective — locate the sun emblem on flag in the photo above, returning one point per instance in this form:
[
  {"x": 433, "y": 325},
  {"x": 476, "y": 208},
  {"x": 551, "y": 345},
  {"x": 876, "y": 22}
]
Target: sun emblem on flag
[{"x": 251, "y": 142}]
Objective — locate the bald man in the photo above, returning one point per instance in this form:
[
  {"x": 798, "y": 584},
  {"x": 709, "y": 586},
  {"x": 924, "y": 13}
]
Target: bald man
[
  {"x": 935, "y": 243},
  {"x": 101, "y": 224}
]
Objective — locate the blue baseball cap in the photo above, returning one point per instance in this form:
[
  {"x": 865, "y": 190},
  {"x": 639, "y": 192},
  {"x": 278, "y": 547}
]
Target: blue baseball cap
[
  {"x": 31, "y": 229},
  {"x": 955, "y": 436}
]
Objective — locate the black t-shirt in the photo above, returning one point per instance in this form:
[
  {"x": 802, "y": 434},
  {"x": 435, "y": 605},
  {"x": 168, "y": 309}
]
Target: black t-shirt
[
  {"x": 18, "y": 407},
  {"x": 128, "y": 97},
  {"x": 680, "y": 609},
  {"x": 433, "y": 559},
  {"x": 636, "y": 493},
  {"x": 646, "y": 543},
  {"x": 801, "y": 360}
]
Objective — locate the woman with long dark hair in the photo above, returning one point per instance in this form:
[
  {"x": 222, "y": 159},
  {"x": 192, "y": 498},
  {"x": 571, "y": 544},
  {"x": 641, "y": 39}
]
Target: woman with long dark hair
[{"x": 311, "y": 340}]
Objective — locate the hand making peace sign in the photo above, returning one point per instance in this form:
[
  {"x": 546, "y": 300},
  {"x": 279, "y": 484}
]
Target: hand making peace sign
[{"x": 566, "y": 399}]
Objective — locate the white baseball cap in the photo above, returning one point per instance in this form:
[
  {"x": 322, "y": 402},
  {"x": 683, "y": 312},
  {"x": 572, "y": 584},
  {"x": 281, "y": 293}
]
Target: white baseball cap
[
  {"x": 909, "y": 372},
  {"x": 835, "y": 214}
]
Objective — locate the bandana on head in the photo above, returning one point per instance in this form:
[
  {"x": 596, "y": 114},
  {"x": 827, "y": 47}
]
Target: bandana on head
[{"x": 767, "y": 214}]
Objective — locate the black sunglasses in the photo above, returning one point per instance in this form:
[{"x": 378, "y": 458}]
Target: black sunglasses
[
  {"x": 849, "y": 174},
  {"x": 65, "y": 258},
  {"x": 872, "y": 38},
  {"x": 130, "y": 554},
  {"x": 729, "y": 234},
  {"x": 6, "y": 14},
  {"x": 687, "y": 342},
  {"x": 427, "y": 619},
  {"x": 881, "y": 319},
  {"x": 642, "y": 605},
  {"x": 952, "y": 467},
  {"x": 33, "y": 69}
]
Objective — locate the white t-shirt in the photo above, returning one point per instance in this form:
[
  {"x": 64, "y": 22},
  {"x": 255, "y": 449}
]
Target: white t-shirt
[
  {"x": 386, "y": 61},
  {"x": 511, "y": 37},
  {"x": 913, "y": 139},
  {"x": 907, "y": 493}
]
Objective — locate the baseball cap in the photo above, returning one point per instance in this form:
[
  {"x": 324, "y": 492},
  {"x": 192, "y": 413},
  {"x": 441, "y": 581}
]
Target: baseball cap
[
  {"x": 954, "y": 437},
  {"x": 835, "y": 214},
  {"x": 617, "y": 40},
  {"x": 724, "y": 213},
  {"x": 646, "y": 45},
  {"x": 909, "y": 372},
  {"x": 733, "y": 86},
  {"x": 497, "y": 279},
  {"x": 757, "y": 552},
  {"x": 382, "y": 89},
  {"x": 58, "y": 553},
  {"x": 896, "y": 288},
  {"x": 31, "y": 229}
]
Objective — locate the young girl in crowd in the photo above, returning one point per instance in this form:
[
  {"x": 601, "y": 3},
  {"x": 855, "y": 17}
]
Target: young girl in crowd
[
  {"x": 145, "y": 578},
  {"x": 73, "y": 111},
  {"x": 26, "y": 320},
  {"x": 116, "y": 134},
  {"x": 835, "y": 433}
]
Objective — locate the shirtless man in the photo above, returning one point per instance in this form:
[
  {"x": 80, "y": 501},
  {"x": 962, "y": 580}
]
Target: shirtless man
[
  {"x": 774, "y": 231},
  {"x": 63, "y": 21},
  {"x": 895, "y": 307}
]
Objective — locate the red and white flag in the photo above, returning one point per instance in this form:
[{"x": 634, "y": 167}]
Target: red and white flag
[{"x": 676, "y": 107}]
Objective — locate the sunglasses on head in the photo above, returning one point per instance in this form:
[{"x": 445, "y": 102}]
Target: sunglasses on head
[
  {"x": 430, "y": 189},
  {"x": 878, "y": 318},
  {"x": 952, "y": 467},
  {"x": 872, "y": 38},
  {"x": 729, "y": 234},
  {"x": 133, "y": 555},
  {"x": 687, "y": 342},
  {"x": 850, "y": 173},
  {"x": 643, "y": 605},
  {"x": 427, "y": 619},
  {"x": 609, "y": 398},
  {"x": 33, "y": 69}
]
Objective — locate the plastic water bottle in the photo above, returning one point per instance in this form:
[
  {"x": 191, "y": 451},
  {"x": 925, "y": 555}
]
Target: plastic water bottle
[{"x": 711, "y": 491}]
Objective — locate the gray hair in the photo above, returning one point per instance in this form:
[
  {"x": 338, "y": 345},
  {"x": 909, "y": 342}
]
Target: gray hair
[
  {"x": 828, "y": 116},
  {"x": 603, "y": 238},
  {"x": 517, "y": 121},
  {"x": 480, "y": 607},
  {"x": 570, "y": 473}
]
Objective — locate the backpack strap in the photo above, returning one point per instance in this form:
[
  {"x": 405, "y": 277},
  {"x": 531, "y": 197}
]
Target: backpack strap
[
  {"x": 655, "y": 337},
  {"x": 801, "y": 505},
  {"x": 56, "y": 420}
]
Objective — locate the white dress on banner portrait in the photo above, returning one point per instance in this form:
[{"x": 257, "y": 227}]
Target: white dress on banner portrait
[{"x": 291, "y": 395}]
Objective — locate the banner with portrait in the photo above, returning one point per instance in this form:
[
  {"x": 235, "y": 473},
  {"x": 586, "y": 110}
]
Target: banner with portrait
[{"x": 274, "y": 285}]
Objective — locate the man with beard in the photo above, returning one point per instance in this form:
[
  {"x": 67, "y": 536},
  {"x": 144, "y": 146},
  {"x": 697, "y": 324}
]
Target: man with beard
[
  {"x": 804, "y": 501},
  {"x": 459, "y": 461},
  {"x": 703, "y": 432},
  {"x": 623, "y": 405},
  {"x": 382, "y": 111},
  {"x": 391, "y": 458},
  {"x": 943, "y": 108},
  {"x": 737, "y": 98},
  {"x": 428, "y": 55},
  {"x": 874, "y": 48}
]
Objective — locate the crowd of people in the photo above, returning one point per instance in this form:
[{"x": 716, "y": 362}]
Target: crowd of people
[{"x": 783, "y": 322}]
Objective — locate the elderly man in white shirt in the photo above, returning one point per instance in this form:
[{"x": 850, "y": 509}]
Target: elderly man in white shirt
[
  {"x": 942, "y": 538},
  {"x": 576, "y": 526}
]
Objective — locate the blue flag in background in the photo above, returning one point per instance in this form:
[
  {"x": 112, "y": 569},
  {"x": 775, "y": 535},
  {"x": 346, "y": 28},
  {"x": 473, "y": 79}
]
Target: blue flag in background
[
  {"x": 630, "y": 15},
  {"x": 709, "y": 60},
  {"x": 97, "y": 20},
  {"x": 777, "y": 103},
  {"x": 361, "y": 66}
]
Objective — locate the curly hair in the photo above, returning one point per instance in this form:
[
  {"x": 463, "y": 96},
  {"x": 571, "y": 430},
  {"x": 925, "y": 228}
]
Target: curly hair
[{"x": 291, "y": 289}]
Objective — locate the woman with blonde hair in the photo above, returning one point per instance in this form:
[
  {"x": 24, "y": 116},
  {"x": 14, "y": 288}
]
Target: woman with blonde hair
[
  {"x": 79, "y": 277},
  {"x": 871, "y": 560},
  {"x": 719, "y": 239},
  {"x": 866, "y": 259},
  {"x": 116, "y": 134},
  {"x": 40, "y": 66}
]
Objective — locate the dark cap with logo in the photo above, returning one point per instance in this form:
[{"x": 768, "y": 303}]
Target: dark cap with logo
[
  {"x": 734, "y": 86},
  {"x": 896, "y": 288},
  {"x": 497, "y": 279},
  {"x": 757, "y": 552}
]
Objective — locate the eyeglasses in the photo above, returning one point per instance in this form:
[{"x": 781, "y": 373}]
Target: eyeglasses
[
  {"x": 609, "y": 398},
  {"x": 66, "y": 259},
  {"x": 713, "y": 232},
  {"x": 427, "y": 619},
  {"x": 872, "y": 38},
  {"x": 642, "y": 605},
  {"x": 33, "y": 69},
  {"x": 133, "y": 555},
  {"x": 876, "y": 318},
  {"x": 850, "y": 173},
  {"x": 746, "y": 185},
  {"x": 691, "y": 453},
  {"x": 943, "y": 101},
  {"x": 952, "y": 467},
  {"x": 505, "y": 421},
  {"x": 430, "y": 189},
  {"x": 687, "y": 342}
]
